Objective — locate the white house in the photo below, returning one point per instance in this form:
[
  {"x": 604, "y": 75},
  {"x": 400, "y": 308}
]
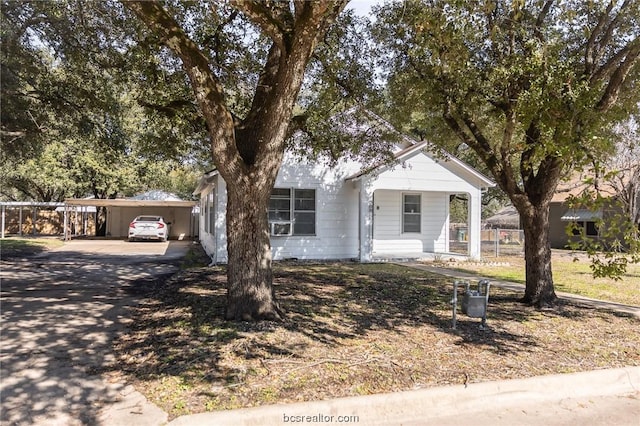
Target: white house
[{"x": 347, "y": 212}]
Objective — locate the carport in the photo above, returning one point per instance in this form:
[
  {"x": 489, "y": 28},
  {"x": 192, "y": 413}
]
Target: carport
[{"x": 120, "y": 212}]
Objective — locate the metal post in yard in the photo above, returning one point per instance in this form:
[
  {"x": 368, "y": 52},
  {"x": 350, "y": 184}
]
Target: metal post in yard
[
  {"x": 495, "y": 237},
  {"x": 454, "y": 302},
  {"x": 20, "y": 221}
]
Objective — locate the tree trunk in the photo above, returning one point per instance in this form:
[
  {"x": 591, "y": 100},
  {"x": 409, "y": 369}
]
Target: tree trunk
[
  {"x": 539, "y": 289},
  {"x": 250, "y": 294},
  {"x": 248, "y": 152},
  {"x": 101, "y": 222}
]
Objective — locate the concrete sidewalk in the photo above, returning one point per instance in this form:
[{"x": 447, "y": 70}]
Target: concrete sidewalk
[
  {"x": 573, "y": 298},
  {"x": 610, "y": 397}
]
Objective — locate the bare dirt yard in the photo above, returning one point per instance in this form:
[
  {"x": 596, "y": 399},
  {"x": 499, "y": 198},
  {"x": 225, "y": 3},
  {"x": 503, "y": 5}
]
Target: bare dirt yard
[{"x": 351, "y": 329}]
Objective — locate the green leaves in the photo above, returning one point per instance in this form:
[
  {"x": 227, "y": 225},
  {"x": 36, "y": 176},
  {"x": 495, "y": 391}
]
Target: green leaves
[{"x": 86, "y": 109}]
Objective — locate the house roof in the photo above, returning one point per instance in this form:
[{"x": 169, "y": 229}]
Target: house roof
[
  {"x": 409, "y": 147},
  {"x": 578, "y": 182},
  {"x": 156, "y": 194},
  {"x": 204, "y": 181},
  {"x": 423, "y": 147},
  {"x": 507, "y": 217}
]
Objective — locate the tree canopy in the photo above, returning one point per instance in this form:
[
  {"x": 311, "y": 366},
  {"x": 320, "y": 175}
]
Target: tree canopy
[
  {"x": 74, "y": 123},
  {"x": 528, "y": 86}
]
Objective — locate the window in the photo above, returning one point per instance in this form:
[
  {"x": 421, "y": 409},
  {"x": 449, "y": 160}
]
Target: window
[
  {"x": 591, "y": 228},
  {"x": 304, "y": 212},
  {"x": 280, "y": 205},
  {"x": 204, "y": 211},
  {"x": 211, "y": 219},
  {"x": 411, "y": 217},
  {"x": 296, "y": 206},
  {"x": 576, "y": 228}
]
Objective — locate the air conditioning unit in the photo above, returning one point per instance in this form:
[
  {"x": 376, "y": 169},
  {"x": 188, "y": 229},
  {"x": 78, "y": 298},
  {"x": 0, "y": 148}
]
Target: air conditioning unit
[{"x": 281, "y": 228}]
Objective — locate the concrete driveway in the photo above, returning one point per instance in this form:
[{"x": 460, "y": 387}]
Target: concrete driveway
[{"x": 61, "y": 311}]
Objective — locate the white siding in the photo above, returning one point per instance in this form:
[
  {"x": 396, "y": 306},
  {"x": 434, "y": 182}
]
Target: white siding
[
  {"x": 336, "y": 213},
  {"x": 206, "y": 235},
  {"x": 422, "y": 173},
  {"x": 387, "y": 223},
  {"x": 344, "y": 209}
]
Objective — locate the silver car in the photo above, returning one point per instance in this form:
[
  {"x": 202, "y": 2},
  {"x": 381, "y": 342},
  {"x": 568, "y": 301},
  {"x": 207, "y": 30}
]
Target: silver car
[{"x": 149, "y": 228}]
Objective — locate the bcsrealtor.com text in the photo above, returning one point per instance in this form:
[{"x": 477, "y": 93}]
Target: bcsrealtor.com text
[{"x": 319, "y": 418}]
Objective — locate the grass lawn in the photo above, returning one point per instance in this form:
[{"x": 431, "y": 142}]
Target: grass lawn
[
  {"x": 569, "y": 275},
  {"x": 351, "y": 329},
  {"x": 18, "y": 247}
]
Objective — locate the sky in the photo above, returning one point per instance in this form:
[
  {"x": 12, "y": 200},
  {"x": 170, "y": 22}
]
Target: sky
[{"x": 362, "y": 7}]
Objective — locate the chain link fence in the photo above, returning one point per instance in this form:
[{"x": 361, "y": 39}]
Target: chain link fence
[{"x": 495, "y": 242}]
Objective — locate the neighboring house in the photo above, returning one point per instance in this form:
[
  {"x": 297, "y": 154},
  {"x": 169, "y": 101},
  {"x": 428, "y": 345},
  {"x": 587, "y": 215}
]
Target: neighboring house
[
  {"x": 350, "y": 212},
  {"x": 561, "y": 214}
]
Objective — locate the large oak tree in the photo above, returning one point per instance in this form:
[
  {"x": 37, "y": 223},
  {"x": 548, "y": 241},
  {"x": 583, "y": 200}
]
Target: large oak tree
[
  {"x": 526, "y": 85},
  {"x": 247, "y": 150}
]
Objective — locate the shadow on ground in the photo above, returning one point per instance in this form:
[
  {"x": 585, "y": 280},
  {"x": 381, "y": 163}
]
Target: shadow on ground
[
  {"x": 60, "y": 314},
  {"x": 180, "y": 341}
]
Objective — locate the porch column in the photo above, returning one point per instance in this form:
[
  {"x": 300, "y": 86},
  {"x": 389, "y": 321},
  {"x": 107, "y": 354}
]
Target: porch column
[
  {"x": 34, "y": 219},
  {"x": 474, "y": 220},
  {"x": 3, "y": 214},
  {"x": 66, "y": 220},
  {"x": 365, "y": 222}
]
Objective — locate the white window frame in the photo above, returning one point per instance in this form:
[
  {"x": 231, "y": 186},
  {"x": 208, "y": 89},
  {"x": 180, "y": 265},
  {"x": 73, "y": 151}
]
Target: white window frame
[
  {"x": 418, "y": 213},
  {"x": 292, "y": 213}
]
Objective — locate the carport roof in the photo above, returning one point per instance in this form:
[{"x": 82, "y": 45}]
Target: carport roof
[{"x": 121, "y": 202}]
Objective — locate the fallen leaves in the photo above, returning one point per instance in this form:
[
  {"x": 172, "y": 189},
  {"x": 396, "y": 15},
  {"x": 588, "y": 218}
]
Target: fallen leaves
[{"x": 351, "y": 329}]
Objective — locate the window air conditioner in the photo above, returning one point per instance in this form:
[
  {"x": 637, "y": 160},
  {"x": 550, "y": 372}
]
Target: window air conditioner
[{"x": 280, "y": 228}]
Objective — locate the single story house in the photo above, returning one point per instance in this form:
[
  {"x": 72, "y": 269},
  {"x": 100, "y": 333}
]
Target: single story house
[{"x": 349, "y": 211}]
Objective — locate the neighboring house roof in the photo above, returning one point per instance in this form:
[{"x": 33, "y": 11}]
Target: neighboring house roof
[
  {"x": 157, "y": 195},
  {"x": 578, "y": 183},
  {"x": 507, "y": 217}
]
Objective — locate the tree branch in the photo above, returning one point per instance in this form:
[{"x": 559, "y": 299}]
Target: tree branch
[
  {"x": 618, "y": 77},
  {"x": 208, "y": 90},
  {"x": 544, "y": 12},
  {"x": 589, "y": 57},
  {"x": 532, "y": 140},
  {"x": 273, "y": 17}
]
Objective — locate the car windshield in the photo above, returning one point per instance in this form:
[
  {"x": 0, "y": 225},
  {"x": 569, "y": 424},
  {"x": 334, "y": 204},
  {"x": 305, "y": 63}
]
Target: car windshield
[{"x": 147, "y": 219}]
